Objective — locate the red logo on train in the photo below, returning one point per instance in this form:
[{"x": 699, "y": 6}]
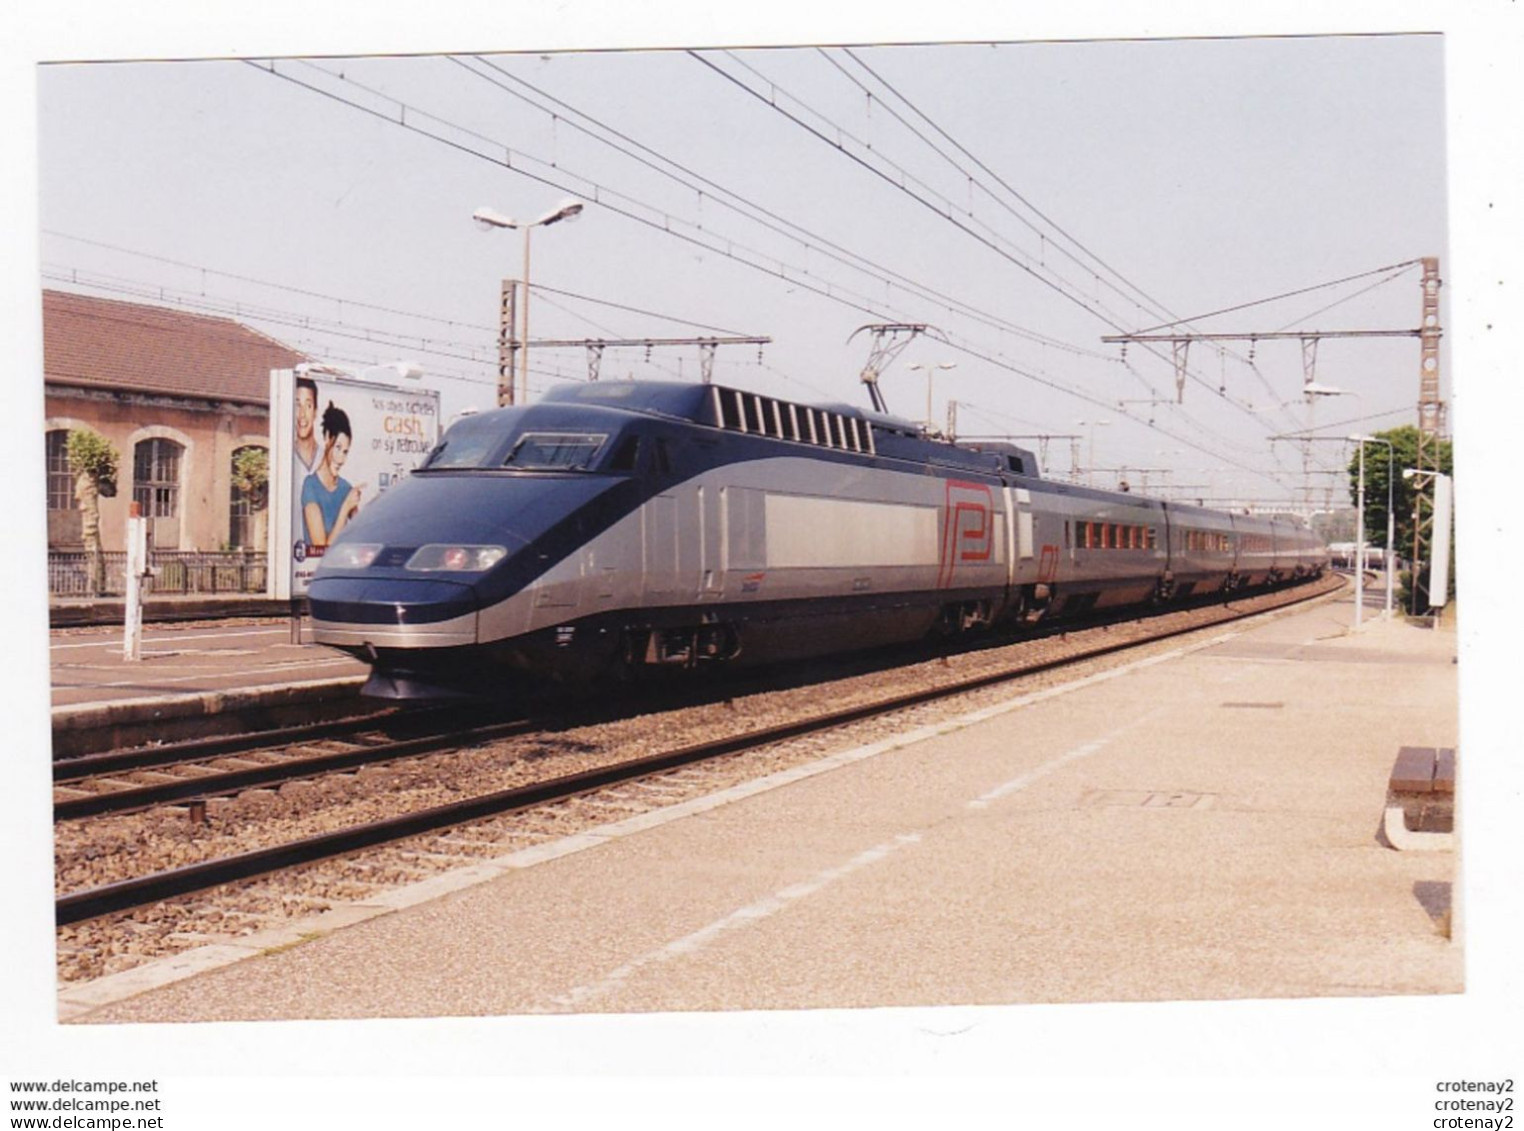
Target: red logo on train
[{"x": 968, "y": 530}]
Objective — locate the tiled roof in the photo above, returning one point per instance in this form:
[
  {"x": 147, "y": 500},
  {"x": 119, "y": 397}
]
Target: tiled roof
[{"x": 105, "y": 344}]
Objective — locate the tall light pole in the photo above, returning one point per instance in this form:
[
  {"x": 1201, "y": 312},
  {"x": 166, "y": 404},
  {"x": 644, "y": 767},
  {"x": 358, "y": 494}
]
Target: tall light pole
[
  {"x": 489, "y": 218},
  {"x": 1391, "y": 517},
  {"x": 929, "y": 370}
]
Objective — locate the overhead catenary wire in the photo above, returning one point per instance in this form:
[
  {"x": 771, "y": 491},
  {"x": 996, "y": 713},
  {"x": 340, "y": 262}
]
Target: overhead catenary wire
[
  {"x": 795, "y": 276},
  {"x": 766, "y": 217},
  {"x": 410, "y": 122},
  {"x": 1151, "y": 302},
  {"x": 947, "y": 213},
  {"x": 287, "y": 288},
  {"x": 1004, "y": 184},
  {"x": 1277, "y": 298},
  {"x": 903, "y": 179},
  {"x": 830, "y": 291},
  {"x": 409, "y": 119}
]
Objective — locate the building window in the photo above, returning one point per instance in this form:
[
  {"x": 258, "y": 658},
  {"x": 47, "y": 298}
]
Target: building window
[
  {"x": 60, "y": 478},
  {"x": 156, "y": 477}
]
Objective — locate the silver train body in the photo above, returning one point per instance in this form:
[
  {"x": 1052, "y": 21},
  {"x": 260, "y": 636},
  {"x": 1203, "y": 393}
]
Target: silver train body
[{"x": 628, "y": 524}]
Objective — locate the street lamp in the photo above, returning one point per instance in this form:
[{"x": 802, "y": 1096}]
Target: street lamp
[
  {"x": 931, "y": 369},
  {"x": 1391, "y": 517},
  {"x": 487, "y": 219}
]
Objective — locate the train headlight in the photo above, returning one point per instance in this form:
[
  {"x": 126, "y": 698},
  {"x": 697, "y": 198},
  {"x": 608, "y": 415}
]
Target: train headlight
[
  {"x": 441, "y": 556},
  {"x": 350, "y": 555}
]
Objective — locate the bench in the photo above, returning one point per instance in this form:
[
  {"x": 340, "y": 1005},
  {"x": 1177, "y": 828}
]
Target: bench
[{"x": 1420, "y": 799}]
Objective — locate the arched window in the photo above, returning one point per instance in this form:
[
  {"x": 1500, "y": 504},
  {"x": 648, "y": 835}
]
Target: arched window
[
  {"x": 60, "y": 479},
  {"x": 156, "y": 477}
]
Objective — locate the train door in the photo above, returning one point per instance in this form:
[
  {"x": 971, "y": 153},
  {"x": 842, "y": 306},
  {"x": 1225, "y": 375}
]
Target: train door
[
  {"x": 659, "y": 536},
  {"x": 1020, "y": 536},
  {"x": 713, "y": 518},
  {"x": 1025, "y": 537},
  {"x": 690, "y": 542}
]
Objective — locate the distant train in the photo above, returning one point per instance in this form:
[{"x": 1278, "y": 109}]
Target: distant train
[{"x": 615, "y": 525}]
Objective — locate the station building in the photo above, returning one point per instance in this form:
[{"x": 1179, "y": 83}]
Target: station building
[{"x": 178, "y": 395}]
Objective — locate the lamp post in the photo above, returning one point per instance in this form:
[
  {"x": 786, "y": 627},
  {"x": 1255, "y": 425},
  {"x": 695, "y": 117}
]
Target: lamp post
[
  {"x": 1360, "y": 541},
  {"x": 929, "y": 370},
  {"x": 1391, "y": 517},
  {"x": 489, "y": 218}
]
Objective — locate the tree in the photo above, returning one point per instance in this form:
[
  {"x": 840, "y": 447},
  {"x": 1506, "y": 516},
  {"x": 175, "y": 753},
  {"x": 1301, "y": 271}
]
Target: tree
[
  {"x": 251, "y": 476},
  {"x": 1404, "y": 453},
  {"x": 93, "y": 461}
]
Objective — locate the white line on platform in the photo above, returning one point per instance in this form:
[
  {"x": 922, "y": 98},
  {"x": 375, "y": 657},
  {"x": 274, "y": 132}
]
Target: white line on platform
[
  {"x": 1015, "y": 785},
  {"x": 116, "y": 639},
  {"x": 240, "y": 679},
  {"x": 742, "y": 917}
]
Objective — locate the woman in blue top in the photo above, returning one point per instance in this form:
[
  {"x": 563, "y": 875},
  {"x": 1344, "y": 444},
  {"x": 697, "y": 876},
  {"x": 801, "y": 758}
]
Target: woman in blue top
[{"x": 328, "y": 500}]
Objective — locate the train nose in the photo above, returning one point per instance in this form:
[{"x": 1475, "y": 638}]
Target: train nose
[{"x": 353, "y": 612}]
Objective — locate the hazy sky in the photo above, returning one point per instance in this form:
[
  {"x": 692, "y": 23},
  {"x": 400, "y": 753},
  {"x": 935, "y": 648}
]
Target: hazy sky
[
  {"x": 1021, "y": 199},
  {"x": 1206, "y": 173}
]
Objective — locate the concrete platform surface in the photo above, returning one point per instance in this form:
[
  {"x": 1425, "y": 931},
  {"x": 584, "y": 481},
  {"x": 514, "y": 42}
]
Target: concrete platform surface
[
  {"x": 187, "y": 660},
  {"x": 1200, "y": 826}
]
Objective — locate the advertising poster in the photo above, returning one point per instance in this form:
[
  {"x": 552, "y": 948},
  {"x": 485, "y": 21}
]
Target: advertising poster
[{"x": 337, "y": 444}]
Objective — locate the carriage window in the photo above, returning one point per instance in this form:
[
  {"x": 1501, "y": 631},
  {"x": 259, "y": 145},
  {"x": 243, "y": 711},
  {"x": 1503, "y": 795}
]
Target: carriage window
[{"x": 555, "y": 451}]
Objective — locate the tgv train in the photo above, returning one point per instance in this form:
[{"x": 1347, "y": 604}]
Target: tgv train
[{"x": 620, "y": 524}]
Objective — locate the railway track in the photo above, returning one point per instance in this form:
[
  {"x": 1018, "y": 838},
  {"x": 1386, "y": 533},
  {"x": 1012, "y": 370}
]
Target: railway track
[
  {"x": 85, "y": 787},
  {"x": 127, "y": 894},
  {"x": 194, "y": 770}
]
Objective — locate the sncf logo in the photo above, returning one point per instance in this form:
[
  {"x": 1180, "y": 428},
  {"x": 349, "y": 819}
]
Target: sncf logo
[{"x": 968, "y": 528}]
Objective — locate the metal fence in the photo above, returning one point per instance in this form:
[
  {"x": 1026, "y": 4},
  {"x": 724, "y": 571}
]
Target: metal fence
[{"x": 174, "y": 571}]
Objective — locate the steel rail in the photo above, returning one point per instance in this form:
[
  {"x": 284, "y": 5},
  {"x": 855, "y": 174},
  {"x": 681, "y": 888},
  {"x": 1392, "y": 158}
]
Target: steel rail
[
  {"x": 67, "y": 770},
  {"x": 125, "y": 894},
  {"x": 213, "y": 785}
]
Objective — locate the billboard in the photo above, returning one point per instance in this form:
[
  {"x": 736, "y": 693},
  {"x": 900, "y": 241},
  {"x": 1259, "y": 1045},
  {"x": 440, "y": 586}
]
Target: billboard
[{"x": 337, "y": 443}]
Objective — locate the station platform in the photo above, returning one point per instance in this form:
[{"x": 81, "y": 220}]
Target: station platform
[
  {"x": 1200, "y": 825},
  {"x": 75, "y": 612},
  {"x": 192, "y": 679}
]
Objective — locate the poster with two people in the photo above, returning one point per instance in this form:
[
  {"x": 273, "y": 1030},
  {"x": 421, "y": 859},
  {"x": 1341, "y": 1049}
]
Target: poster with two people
[{"x": 337, "y": 443}]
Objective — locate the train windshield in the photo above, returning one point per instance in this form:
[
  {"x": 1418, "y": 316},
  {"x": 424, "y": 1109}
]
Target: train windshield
[
  {"x": 470, "y": 443},
  {"x": 556, "y": 451}
]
